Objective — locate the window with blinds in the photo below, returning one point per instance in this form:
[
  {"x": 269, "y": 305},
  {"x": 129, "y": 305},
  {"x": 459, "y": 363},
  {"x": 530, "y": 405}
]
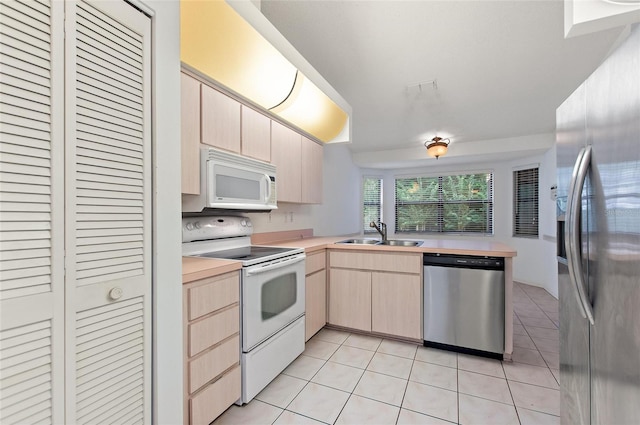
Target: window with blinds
[
  {"x": 372, "y": 202},
  {"x": 525, "y": 203},
  {"x": 445, "y": 204}
]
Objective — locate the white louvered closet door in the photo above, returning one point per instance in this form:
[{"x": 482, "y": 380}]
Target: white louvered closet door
[
  {"x": 31, "y": 212},
  {"x": 108, "y": 213}
]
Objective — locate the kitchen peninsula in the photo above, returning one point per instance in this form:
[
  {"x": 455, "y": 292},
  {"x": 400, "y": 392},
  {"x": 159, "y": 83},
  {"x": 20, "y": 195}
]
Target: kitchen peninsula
[{"x": 402, "y": 260}]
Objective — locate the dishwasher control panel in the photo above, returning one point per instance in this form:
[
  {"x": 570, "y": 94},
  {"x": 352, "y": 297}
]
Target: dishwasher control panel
[{"x": 464, "y": 261}]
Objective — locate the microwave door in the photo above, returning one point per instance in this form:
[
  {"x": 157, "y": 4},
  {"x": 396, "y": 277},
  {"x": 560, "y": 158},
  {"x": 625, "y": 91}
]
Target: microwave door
[{"x": 231, "y": 187}]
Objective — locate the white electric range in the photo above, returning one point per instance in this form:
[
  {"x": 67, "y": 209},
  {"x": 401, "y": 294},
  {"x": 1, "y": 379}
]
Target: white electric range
[{"x": 271, "y": 294}]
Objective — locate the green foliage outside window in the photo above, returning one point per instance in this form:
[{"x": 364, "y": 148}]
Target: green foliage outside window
[{"x": 445, "y": 204}]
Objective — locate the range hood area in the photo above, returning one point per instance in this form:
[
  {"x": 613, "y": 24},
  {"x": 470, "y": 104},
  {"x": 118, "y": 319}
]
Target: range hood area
[{"x": 235, "y": 45}]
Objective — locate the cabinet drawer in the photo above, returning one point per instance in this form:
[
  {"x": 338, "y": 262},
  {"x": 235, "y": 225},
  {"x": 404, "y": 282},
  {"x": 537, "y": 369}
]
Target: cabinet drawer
[
  {"x": 212, "y": 294},
  {"x": 214, "y": 399},
  {"x": 213, "y": 363},
  {"x": 316, "y": 261},
  {"x": 389, "y": 261},
  {"x": 212, "y": 330}
]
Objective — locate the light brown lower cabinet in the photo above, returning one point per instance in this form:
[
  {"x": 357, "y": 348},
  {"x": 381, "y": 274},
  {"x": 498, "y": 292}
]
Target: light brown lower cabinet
[
  {"x": 315, "y": 303},
  {"x": 315, "y": 293},
  {"x": 376, "y": 292},
  {"x": 395, "y": 304},
  {"x": 211, "y": 326},
  {"x": 350, "y": 299}
]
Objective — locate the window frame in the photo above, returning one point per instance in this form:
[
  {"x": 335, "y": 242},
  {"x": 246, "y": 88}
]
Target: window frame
[
  {"x": 441, "y": 203},
  {"x": 363, "y": 204}
]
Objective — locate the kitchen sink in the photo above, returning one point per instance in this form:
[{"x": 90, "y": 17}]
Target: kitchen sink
[
  {"x": 389, "y": 242},
  {"x": 399, "y": 242},
  {"x": 361, "y": 241}
]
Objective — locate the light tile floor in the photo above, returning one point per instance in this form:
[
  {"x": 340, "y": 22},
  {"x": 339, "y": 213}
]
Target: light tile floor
[{"x": 344, "y": 378}]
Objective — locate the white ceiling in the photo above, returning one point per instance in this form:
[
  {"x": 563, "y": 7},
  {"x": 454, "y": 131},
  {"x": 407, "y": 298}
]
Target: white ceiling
[{"x": 502, "y": 68}]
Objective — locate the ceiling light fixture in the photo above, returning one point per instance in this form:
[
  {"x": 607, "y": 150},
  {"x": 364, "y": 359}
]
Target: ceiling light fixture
[{"x": 437, "y": 146}]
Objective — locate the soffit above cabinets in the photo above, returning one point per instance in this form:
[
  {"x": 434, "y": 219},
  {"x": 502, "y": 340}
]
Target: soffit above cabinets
[{"x": 221, "y": 44}]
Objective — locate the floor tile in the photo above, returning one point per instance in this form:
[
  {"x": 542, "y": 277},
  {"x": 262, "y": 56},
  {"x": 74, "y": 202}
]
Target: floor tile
[
  {"x": 432, "y": 401},
  {"x": 552, "y": 315},
  {"x": 320, "y": 349},
  {"x": 391, "y": 365},
  {"x": 541, "y": 322},
  {"x": 304, "y": 367},
  {"x": 319, "y": 402},
  {"x": 480, "y": 365},
  {"x": 409, "y": 417},
  {"x": 523, "y": 355},
  {"x": 441, "y": 357},
  {"x": 365, "y": 342},
  {"x": 529, "y": 374},
  {"x": 544, "y": 344},
  {"x": 536, "y": 332},
  {"x": 436, "y": 375},
  {"x": 484, "y": 386},
  {"x": 332, "y": 335},
  {"x": 556, "y": 374},
  {"x": 478, "y": 411},
  {"x": 552, "y": 359},
  {"x": 290, "y": 418},
  {"x": 384, "y": 388},
  {"x": 396, "y": 348},
  {"x": 519, "y": 330},
  {"x": 282, "y": 390},
  {"x": 256, "y": 412},
  {"x": 530, "y": 312},
  {"x": 338, "y": 376},
  {"x": 516, "y": 319},
  {"x": 351, "y": 356},
  {"x": 360, "y": 410},
  {"x": 536, "y": 398},
  {"x": 523, "y": 341},
  {"x": 530, "y": 417},
  {"x": 549, "y": 307}
]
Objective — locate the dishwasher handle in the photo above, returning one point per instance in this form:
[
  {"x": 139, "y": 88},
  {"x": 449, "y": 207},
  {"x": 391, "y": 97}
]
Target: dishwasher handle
[{"x": 463, "y": 261}]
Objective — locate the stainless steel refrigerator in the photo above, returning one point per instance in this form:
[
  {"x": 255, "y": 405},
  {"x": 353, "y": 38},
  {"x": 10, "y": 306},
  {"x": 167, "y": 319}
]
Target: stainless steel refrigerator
[{"x": 598, "y": 203}]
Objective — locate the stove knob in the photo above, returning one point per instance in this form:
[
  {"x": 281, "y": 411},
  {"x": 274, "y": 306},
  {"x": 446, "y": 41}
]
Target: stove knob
[
  {"x": 248, "y": 223},
  {"x": 189, "y": 226},
  {"x": 243, "y": 223},
  {"x": 197, "y": 225}
]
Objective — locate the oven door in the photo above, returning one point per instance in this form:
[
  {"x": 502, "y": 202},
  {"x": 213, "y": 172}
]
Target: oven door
[{"x": 272, "y": 297}]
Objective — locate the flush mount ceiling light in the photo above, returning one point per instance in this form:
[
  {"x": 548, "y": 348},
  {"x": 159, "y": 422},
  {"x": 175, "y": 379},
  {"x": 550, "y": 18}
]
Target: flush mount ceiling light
[{"x": 437, "y": 146}]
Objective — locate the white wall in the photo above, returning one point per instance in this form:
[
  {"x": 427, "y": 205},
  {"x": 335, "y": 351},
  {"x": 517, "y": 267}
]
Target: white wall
[{"x": 167, "y": 266}]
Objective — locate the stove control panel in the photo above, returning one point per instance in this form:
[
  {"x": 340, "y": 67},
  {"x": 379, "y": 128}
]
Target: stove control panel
[{"x": 215, "y": 227}]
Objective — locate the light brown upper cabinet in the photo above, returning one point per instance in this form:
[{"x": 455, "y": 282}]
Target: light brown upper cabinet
[
  {"x": 286, "y": 153},
  {"x": 311, "y": 172},
  {"x": 220, "y": 120},
  {"x": 298, "y": 162},
  {"x": 256, "y": 135},
  {"x": 190, "y": 133}
]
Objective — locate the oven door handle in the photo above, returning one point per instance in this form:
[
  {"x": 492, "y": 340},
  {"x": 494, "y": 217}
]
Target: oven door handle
[{"x": 278, "y": 265}]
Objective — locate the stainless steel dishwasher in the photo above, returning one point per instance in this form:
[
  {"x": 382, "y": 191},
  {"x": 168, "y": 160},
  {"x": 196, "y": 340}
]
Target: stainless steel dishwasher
[{"x": 464, "y": 303}]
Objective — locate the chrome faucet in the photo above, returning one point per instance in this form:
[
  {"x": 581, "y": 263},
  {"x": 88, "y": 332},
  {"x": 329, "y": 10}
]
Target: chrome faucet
[{"x": 382, "y": 232}]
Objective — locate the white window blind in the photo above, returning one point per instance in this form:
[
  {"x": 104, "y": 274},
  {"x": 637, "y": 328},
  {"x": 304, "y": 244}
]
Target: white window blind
[
  {"x": 372, "y": 202},
  {"x": 445, "y": 204},
  {"x": 525, "y": 203}
]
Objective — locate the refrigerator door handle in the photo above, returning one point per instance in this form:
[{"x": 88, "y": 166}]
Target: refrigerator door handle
[{"x": 572, "y": 231}]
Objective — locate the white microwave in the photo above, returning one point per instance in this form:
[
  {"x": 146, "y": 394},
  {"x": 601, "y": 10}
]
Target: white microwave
[{"x": 230, "y": 181}]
